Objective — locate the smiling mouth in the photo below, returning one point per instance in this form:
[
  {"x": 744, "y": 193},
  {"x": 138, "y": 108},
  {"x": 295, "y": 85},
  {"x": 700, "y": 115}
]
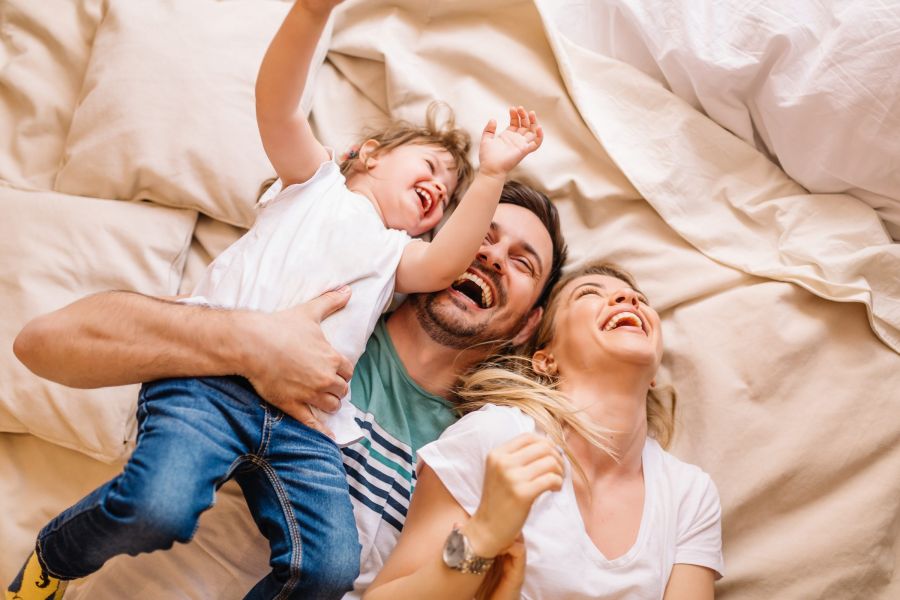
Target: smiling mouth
[
  {"x": 475, "y": 288},
  {"x": 425, "y": 199},
  {"x": 624, "y": 319}
]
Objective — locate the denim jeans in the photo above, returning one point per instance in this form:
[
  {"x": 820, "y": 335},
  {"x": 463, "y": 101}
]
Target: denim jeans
[{"x": 193, "y": 435}]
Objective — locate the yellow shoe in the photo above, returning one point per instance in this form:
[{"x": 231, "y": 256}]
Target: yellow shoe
[{"x": 34, "y": 583}]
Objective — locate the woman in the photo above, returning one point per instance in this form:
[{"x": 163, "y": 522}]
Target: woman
[{"x": 622, "y": 518}]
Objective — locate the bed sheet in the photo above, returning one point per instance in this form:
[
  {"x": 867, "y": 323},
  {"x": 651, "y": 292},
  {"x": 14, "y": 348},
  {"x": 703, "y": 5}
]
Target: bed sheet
[
  {"x": 779, "y": 322},
  {"x": 808, "y": 82}
]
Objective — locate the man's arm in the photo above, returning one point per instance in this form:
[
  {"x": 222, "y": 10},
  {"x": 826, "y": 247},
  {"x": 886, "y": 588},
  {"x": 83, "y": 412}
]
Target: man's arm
[{"x": 117, "y": 338}]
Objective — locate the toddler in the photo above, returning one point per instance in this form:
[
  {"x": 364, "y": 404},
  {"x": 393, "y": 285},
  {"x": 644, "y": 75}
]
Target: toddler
[{"x": 330, "y": 226}]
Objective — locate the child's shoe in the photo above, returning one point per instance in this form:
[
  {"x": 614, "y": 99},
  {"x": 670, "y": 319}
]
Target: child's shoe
[{"x": 34, "y": 583}]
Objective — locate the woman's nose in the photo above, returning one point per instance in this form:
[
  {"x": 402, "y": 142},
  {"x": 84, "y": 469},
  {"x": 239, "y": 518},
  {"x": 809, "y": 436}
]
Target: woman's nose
[{"x": 624, "y": 296}]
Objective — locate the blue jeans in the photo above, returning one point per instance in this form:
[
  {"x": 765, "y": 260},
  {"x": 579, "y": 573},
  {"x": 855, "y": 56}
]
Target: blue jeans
[{"x": 194, "y": 435}]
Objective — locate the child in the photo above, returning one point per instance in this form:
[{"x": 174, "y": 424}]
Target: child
[{"x": 330, "y": 226}]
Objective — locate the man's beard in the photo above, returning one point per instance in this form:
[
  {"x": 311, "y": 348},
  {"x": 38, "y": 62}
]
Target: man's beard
[{"x": 450, "y": 330}]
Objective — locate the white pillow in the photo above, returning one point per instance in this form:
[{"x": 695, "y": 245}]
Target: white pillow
[
  {"x": 44, "y": 51},
  {"x": 813, "y": 83},
  {"x": 167, "y": 108},
  {"x": 57, "y": 249}
]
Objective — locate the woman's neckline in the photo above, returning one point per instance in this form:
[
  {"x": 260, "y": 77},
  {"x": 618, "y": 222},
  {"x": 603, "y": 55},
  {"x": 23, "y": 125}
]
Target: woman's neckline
[{"x": 585, "y": 538}]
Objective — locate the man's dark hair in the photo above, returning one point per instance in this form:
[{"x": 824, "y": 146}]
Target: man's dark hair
[{"x": 529, "y": 198}]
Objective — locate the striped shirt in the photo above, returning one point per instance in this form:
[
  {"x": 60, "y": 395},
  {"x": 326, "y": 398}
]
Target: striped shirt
[{"x": 397, "y": 417}]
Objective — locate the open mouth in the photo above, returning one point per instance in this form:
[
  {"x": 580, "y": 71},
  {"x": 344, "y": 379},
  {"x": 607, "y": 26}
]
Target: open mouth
[
  {"x": 425, "y": 199},
  {"x": 474, "y": 287},
  {"x": 623, "y": 319}
]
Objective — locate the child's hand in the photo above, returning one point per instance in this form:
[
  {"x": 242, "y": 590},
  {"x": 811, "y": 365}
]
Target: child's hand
[{"x": 499, "y": 153}]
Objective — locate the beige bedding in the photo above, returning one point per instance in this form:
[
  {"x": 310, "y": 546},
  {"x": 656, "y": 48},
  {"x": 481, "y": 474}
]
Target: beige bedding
[{"x": 780, "y": 308}]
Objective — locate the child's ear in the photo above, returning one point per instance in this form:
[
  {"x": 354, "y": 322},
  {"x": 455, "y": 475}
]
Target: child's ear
[{"x": 367, "y": 153}]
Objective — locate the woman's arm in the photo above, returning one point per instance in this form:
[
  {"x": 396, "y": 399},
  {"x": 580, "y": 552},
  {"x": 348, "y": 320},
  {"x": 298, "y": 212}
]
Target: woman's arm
[
  {"x": 286, "y": 135},
  {"x": 415, "y": 568},
  {"x": 430, "y": 267},
  {"x": 516, "y": 474},
  {"x": 117, "y": 338},
  {"x": 690, "y": 582}
]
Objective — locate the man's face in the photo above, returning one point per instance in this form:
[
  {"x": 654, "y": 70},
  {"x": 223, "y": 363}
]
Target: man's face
[{"x": 492, "y": 300}]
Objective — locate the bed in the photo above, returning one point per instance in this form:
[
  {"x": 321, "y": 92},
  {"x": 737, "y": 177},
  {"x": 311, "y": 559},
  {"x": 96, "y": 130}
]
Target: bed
[{"x": 129, "y": 158}]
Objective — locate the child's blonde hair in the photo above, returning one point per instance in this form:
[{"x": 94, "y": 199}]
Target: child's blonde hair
[{"x": 443, "y": 133}]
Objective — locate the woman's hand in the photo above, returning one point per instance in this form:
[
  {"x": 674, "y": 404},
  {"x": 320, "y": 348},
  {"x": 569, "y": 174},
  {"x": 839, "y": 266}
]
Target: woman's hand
[
  {"x": 516, "y": 474},
  {"x": 500, "y": 152}
]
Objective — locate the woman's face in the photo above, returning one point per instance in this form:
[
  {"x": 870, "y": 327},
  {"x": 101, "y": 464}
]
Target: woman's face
[{"x": 601, "y": 322}]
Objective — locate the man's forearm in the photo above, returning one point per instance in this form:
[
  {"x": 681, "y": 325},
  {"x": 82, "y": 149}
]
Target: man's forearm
[{"x": 117, "y": 338}]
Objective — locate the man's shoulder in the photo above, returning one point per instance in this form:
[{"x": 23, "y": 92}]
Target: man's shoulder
[{"x": 390, "y": 403}]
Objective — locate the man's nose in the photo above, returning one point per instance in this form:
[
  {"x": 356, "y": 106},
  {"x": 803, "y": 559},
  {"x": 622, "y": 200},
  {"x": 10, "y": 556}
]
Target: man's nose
[{"x": 491, "y": 256}]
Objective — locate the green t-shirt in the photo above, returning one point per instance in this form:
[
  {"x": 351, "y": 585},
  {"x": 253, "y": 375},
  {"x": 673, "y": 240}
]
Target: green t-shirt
[{"x": 397, "y": 417}]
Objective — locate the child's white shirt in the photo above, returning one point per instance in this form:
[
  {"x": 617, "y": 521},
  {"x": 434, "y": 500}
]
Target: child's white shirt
[
  {"x": 310, "y": 238},
  {"x": 681, "y": 521}
]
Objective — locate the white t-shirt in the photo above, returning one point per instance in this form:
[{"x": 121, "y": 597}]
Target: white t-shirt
[
  {"x": 310, "y": 238},
  {"x": 681, "y": 522}
]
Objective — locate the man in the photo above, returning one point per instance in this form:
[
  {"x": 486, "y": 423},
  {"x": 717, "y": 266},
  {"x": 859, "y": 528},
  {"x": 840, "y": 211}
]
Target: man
[{"x": 401, "y": 383}]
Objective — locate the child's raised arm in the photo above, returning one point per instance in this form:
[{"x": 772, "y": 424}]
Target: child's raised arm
[
  {"x": 286, "y": 135},
  {"x": 430, "y": 267}
]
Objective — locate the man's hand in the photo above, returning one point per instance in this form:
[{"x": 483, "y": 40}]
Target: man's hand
[
  {"x": 500, "y": 153},
  {"x": 291, "y": 364}
]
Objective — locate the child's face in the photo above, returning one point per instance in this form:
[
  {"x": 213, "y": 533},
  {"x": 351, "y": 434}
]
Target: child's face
[{"x": 412, "y": 185}]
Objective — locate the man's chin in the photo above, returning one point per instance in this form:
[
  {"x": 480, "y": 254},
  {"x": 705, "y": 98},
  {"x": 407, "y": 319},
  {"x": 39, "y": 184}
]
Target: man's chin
[{"x": 448, "y": 322}]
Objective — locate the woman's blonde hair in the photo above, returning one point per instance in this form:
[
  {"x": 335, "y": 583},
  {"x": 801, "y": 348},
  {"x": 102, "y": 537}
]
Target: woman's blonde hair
[
  {"x": 512, "y": 380},
  {"x": 439, "y": 130}
]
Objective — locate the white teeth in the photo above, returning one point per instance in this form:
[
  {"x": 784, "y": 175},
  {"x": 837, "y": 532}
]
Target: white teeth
[
  {"x": 487, "y": 297},
  {"x": 426, "y": 198},
  {"x": 623, "y": 318}
]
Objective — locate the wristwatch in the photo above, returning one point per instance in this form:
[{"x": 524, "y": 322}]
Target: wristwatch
[{"x": 458, "y": 554}]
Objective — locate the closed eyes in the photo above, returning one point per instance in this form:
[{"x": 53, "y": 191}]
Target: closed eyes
[{"x": 585, "y": 290}]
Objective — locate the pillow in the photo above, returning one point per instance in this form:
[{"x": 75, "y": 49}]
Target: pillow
[
  {"x": 55, "y": 250},
  {"x": 811, "y": 83},
  {"x": 44, "y": 52},
  {"x": 167, "y": 110}
]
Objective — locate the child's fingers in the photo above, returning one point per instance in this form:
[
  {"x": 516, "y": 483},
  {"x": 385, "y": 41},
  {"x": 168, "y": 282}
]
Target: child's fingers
[
  {"x": 524, "y": 121},
  {"x": 513, "y": 117},
  {"x": 490, "y": 129},
  {"x": 538, "y": 135}
]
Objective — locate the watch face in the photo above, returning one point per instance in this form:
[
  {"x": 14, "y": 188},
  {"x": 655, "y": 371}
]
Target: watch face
[{"x": 454, "y": 549}]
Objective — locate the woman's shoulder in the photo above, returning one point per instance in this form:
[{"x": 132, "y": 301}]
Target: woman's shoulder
[
  {"x": 488, "y": 427},
  {"x": 496, "y": 418},
  {"x": 685, "y": 480}
]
